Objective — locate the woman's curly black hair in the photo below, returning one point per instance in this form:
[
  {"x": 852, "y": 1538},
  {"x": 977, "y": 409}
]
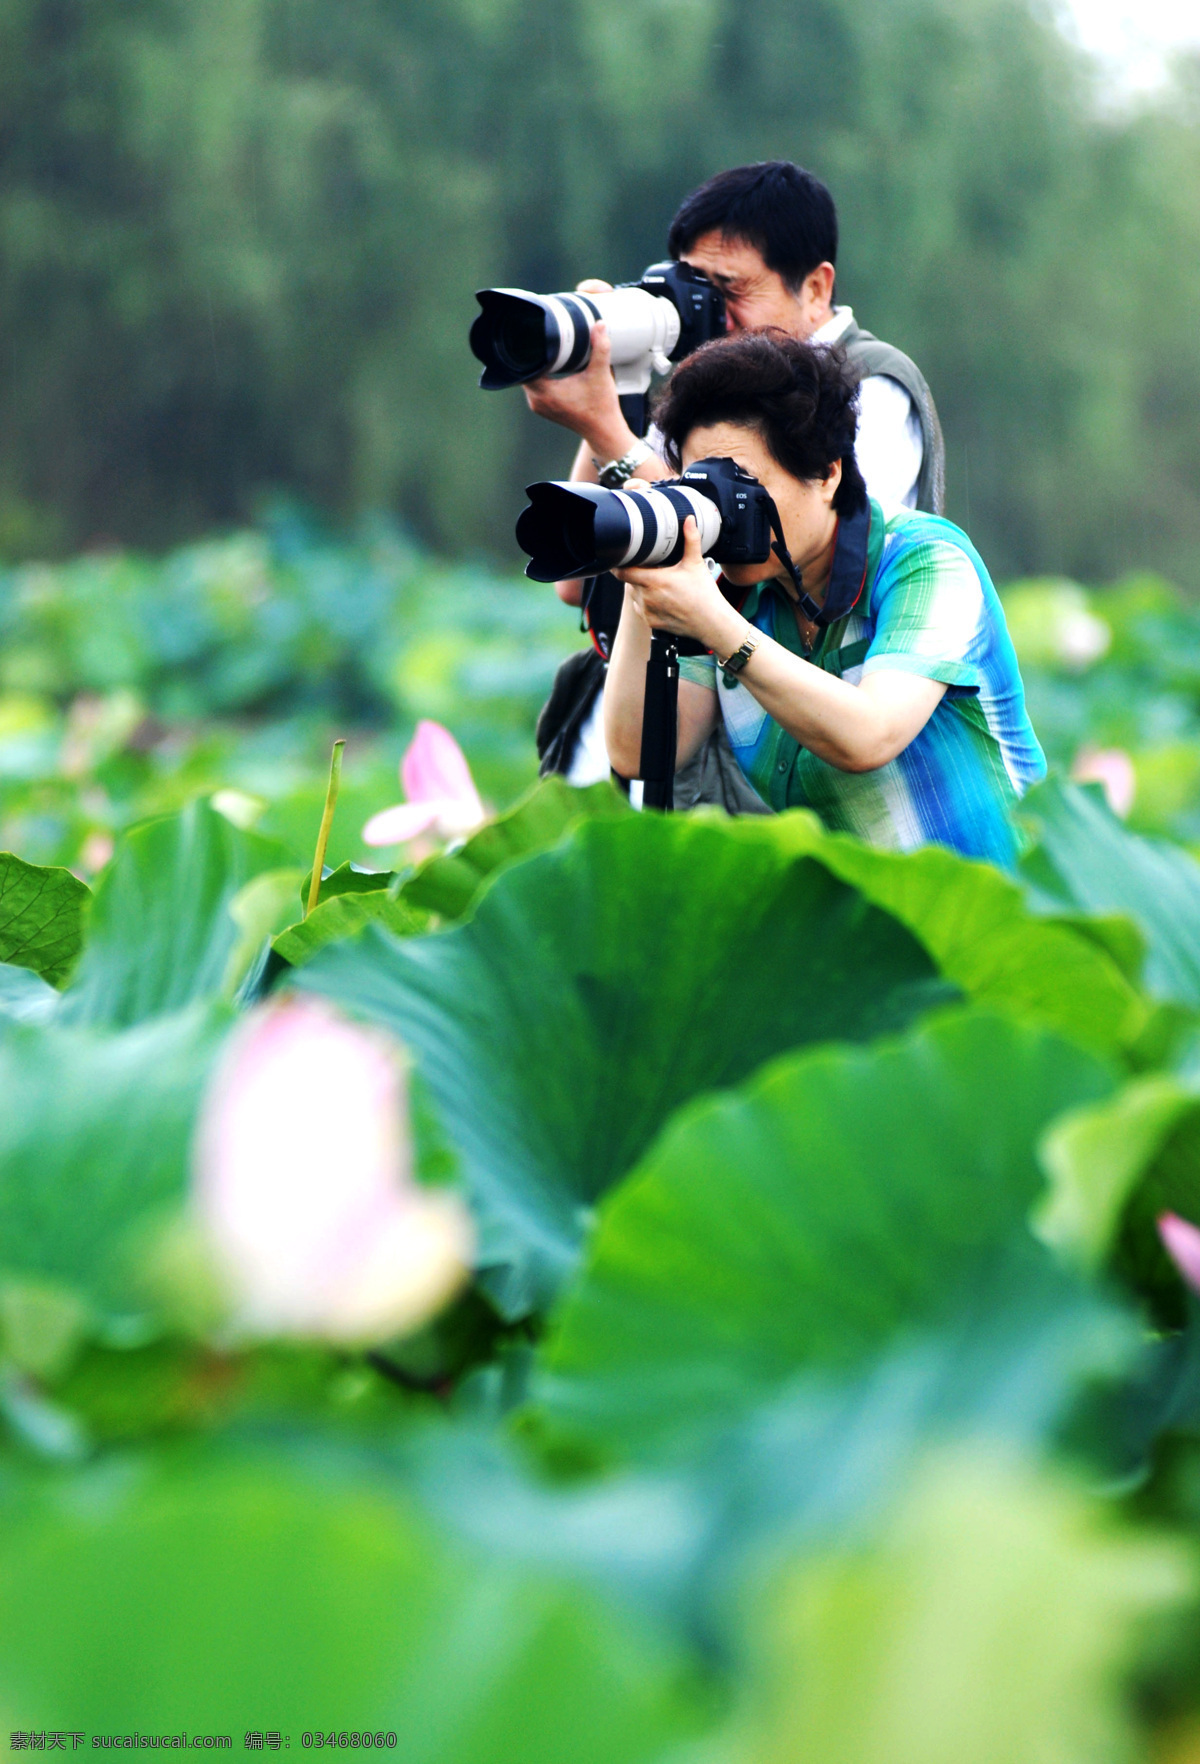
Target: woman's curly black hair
[{"x": 801, "y": 398}]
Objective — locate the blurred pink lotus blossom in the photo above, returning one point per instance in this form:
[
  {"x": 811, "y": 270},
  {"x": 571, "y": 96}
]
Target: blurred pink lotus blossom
[
  {"x": 303, "y": 1184},
  {"x": 441, "y": 793},
  {"x": 1182, "y": 1243},
  {"x": 1112, "y": 768}
]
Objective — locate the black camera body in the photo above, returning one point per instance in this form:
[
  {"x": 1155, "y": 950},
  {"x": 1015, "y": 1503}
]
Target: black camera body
[
  {"x": 745, "y": 507},
  {"x": 700, "y": 305},
  {"x": 572, "y": 529}
]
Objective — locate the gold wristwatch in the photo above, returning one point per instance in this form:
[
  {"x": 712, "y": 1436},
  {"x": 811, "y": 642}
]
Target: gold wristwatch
[{"x": 734, "y": 664}]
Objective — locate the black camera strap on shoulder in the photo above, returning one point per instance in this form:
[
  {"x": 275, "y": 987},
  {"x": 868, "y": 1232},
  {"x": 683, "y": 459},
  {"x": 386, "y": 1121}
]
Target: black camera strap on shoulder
[
  {"x": 804, "y": 600},
  {"x": 847, "y": 573}
]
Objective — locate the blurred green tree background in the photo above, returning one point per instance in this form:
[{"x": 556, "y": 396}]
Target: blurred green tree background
[{"x": 239, "y": 241}]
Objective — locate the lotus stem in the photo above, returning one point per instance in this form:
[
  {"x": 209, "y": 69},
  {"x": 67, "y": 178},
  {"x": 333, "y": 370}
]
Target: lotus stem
[{"x": 331, "y": 796}]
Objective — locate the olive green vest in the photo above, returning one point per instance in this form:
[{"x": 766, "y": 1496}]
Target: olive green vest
[{"x": 871, "y": 356}]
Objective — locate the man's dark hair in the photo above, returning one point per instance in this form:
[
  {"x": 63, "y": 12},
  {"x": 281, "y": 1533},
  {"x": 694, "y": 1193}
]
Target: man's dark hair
[
  {"x": 801, "y": 398},
  {"x": 780, "y": 209}
]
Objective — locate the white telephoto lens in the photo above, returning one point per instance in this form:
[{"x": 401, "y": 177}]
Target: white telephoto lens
[
  {"x": 708, "y": 518},
  {"x": 662, "y": 539},
  {"x": 639, "y": 324},
  {"x": 666, "y": 521},
  {"x": 637, "y": 530},
  {"x": 567, "y": 324}
]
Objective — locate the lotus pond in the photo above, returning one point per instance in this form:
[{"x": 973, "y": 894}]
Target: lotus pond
[{"x": 624, "y": 1288}]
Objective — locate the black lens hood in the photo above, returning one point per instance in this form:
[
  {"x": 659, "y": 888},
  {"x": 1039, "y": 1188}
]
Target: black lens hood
[
  {"x": 497, "y": 305},
  {"x": 570, "y": 530}
]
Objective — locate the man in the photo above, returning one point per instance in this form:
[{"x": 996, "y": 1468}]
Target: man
[{"x": 767, "y": 236}]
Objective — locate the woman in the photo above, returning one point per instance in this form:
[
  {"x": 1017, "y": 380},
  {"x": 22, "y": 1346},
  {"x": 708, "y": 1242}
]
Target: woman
[{"x": 865, "y": 671}]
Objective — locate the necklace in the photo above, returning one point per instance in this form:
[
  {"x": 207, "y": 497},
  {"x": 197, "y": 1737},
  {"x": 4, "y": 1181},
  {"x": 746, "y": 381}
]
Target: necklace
[{"x": 808, "y": 631}]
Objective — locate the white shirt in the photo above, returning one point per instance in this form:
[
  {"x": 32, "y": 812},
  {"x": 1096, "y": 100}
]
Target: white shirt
[
  {"x": 890, "y": 446},
  {"x": 589, "y": 763}
]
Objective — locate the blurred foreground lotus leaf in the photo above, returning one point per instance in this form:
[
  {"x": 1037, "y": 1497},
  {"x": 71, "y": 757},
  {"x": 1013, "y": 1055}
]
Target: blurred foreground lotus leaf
[
  {"x": 97, "y": 1149},
  {"x": 319, "y": 1589},
  {"x": 986, "y": 1619}
]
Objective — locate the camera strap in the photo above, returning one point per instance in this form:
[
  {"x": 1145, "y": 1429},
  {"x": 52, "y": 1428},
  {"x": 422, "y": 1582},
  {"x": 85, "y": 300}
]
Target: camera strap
[
  {"x": 602, "y": 599},
  {"x": 804, "y": 599},
  {"x": 847, "y": 573}
]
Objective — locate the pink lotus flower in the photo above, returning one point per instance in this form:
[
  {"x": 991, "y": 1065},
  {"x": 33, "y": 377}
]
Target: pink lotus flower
[
  {"x": 303, "y": 1184},
  {"x": 1112, "y": 768},
  {"x": 1182, "y": 1243},
  {"x": 441, "y": 793}
]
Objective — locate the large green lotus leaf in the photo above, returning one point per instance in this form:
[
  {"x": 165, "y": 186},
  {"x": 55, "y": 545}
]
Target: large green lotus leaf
[
  {"x": 842, "y": 1197},
  {"x": 976, "y": 924},
  {"x": 988, "y": 1618},
  {"x": 342, "y": 916},
  {"x": 160, "y": 933},
  {"x": 41, "y": 917},
  {"x": 448, "y": 883},
  {"x": 600, "y": 985},
  {"x": 1086, "y": 861},
  {"x": 94, "y": 1135},
  {"x": 1116, "y": 935},
  {"x": 313, "y": 1599}
]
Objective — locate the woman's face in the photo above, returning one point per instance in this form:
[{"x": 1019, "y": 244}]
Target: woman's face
[{"x": 805, "y": 508}]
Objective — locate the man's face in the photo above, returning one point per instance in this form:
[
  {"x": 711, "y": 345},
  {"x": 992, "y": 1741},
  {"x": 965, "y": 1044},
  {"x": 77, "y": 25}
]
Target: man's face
[{"x": 757, "y": 298}]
